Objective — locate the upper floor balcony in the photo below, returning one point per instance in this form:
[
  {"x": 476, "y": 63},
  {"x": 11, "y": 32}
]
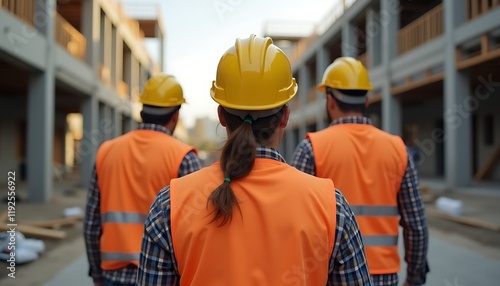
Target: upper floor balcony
[{"x": 65, "y": 34}]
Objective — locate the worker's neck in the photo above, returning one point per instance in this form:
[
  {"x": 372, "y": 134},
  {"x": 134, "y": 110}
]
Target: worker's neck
[{"x": 342, "y": 114}]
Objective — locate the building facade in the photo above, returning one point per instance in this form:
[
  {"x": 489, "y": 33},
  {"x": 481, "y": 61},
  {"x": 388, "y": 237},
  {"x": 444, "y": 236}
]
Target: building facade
[
  {"x": 435, "y": 68},
  {"x": 64, "y": 57}
]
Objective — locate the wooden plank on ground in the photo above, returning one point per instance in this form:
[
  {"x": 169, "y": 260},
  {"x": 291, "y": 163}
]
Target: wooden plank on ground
[
  {"x": 4, "y": 216},
  {"x": 34, "y": 231},
  {"x": 55, "y": 223},
  {"x": 463, "y": 220}
]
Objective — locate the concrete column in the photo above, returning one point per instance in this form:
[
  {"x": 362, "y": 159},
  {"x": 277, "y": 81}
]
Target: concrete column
[
  {"x": 108, "y": 36},
  {"x": 373, "y": 35},
  {"x": 161, "y": 38},
  {"x": 113, "y": 55},
  {"x": 91, "y": 24},
  {"x": 90, "y": 141},
  {"x": 117, "y": 122},
  {"x": 119, "y": 59},
  {"x": 322, "y": 62},
  {"x": 41, "y": 109},
  {"x": 290, "y": 144},
  {"x": 134, "y": 75},
  {"x": 106, "y": 130},
  {"x": 391, "y": 106},
  {"x": 349, "y": 41},
  {"x": 304, "y": 85},
  {"x": 457, "y": 105}
]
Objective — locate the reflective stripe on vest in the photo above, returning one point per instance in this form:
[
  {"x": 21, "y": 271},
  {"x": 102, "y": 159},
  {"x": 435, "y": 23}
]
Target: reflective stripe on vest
[
  {"x": 366, "y": 210},
  {"x": 123, "y": 217},
  {"x": 118, "y": 256}
]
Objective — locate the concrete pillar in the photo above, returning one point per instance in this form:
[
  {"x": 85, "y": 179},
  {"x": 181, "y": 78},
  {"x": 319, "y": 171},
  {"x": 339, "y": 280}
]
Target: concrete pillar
[
  {"x": 41, "y": 109},
  {"x": 108, "y": 36},
  {"x": 322, "y": 62},
  {"x": 304, "y": 85},
  {"x": 391, "y": 106},
  {"x": 457, "y": 105},
  {"x": 91, "y": 30},
  {"x": 349, "y": 41},
  {"x": 90, "y": 141},
  {"x": 290, "y": 144},
  {"x": 106, "y": 130},
  {"x": 161, "y": 38},
  {"x": 373, "y": 38},
  {"x": 134, "y": 75},
  {"x": 118, "y": 59},
  {"x": 117, "y": 122}
]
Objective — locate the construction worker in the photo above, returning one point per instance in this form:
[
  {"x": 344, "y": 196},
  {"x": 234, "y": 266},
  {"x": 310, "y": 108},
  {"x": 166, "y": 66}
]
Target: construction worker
[
  {"x": 373, "y": 170},
  {"x": 251, "y": 219},
  {"x": 128, "y": 173}
]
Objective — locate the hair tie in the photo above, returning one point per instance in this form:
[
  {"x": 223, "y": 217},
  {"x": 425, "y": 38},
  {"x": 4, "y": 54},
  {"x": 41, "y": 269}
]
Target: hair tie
[
  {"x": 248, "y": 119},
  {"x": 227, "y": 180}
]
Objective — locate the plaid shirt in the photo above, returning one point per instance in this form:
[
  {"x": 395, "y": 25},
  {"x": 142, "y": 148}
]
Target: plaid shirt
[
  {"x": 411, "y": 211},
  {"x": 157, "y": 264},
  {"x": 92, "y": 223}
]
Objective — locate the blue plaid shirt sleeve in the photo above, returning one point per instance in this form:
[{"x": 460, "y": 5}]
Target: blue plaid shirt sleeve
[
  {"x": 348, "y": 265},
  {"x": 92, "y": 229},
  {"x": 303, "y": 158},
  {"x": 191, "y": 163},
  {"x": 414, "y": 223},
  {"x": 157, "y": 264}
]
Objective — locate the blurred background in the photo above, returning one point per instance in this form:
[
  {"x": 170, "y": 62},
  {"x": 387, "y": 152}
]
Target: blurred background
[{"x": 71, "y": 72}]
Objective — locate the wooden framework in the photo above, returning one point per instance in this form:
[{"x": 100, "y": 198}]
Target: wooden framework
[
  {"x": 476, "y": 8},
  {"x": 485, "y": 54},
  {"x": 427, "y": 27},
  {"x": 412, "y": 84},
  {"x": 70, "y": 38}
]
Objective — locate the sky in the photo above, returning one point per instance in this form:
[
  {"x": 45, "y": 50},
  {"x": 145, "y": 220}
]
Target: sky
[{"x": 198, "y": 32}]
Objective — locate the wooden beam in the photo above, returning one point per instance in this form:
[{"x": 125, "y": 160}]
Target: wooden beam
[
  {"x": 488, "y": 166},
  {"x": 38, "y": 232},
  {"x": 55, "y": 223},
  {"x": 463, "y": 220},
  {"x": 485, "y": 47},
  {"x": 4, "y": 216},
  {"x": 431, "y": 79},
  {"x": 484, "y": 6},
  {"x": 474, "y": 9},
  {"x": 478, "y": 59}
]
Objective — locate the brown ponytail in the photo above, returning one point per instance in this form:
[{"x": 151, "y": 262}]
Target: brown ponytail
[{"x": 237, "y": 158}]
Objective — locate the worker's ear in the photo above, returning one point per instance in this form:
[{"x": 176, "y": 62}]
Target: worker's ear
[
  {"x": 222, "y": 120},
  {"x": 330, "y": 102},
  {"x": 286, "y": 116},
  {"x": 175, "y": 116}
]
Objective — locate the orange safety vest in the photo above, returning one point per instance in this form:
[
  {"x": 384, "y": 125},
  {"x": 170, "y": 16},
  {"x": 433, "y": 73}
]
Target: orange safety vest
[
  {"x": 367, "y": 166},
  {"x": 285, "y": 233},
  {"x": 131, "y": 170}
]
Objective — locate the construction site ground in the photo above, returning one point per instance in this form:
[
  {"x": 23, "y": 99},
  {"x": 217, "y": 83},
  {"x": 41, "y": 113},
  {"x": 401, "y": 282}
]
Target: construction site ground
[{"x": 65, "y": 257}]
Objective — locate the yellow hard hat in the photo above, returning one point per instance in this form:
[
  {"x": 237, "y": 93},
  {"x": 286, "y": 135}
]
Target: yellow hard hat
[
  {"x": 162, "y": 91},
  {"x": 345, "y": 73},
  {"x": 254, "y": 74}
]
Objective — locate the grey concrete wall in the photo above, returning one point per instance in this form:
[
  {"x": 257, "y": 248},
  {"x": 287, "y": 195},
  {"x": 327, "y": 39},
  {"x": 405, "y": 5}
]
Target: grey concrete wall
[
  {"x": 428, "y": 135},
  {"x": 486, "y": 107},
  {"x": 8, "y": 157}
]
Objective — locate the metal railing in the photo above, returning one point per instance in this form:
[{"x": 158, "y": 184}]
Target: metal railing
[{"x": 422, "y": 30}]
